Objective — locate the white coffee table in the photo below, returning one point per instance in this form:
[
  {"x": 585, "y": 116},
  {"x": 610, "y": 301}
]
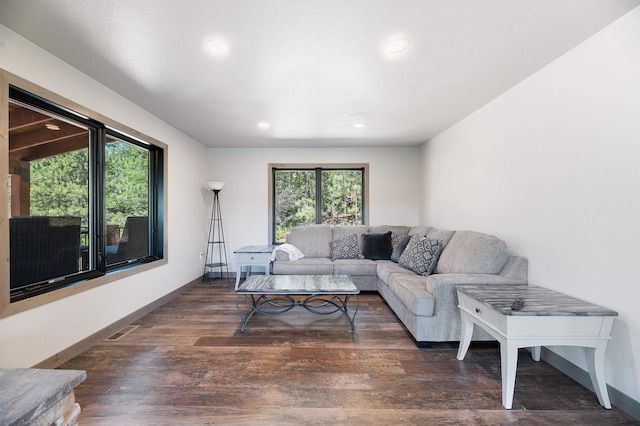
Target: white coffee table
[
  {"x": 321, "y": 294},
  {"x": 548, "y": 318}
]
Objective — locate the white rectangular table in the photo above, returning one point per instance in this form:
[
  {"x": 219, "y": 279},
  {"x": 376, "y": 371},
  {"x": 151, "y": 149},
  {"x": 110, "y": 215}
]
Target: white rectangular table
[
  {"x": 322, "y": 294},
  {"x": 249, "y": 256},
  {"x": 547, "y": 318}
]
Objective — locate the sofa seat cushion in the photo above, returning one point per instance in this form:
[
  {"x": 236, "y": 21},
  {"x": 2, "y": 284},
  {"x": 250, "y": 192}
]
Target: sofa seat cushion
[
  {"x": 354, "y": 267},
  {"x": 388, "y": 267},
  {"x": 312, "y": 241},
  {"x": 304, "y": 266},
  {"x": 471, "y": 252},
  {"x": 411, "y": 290}
]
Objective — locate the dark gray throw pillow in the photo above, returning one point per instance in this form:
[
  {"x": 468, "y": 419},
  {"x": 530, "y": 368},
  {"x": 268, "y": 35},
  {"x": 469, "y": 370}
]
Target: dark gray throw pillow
[
  {"x": 421, "y": 254},
  {"x": 345, "y": 248},
  {"x": 402, "y": 244},
  {"x": 377, "y": 246}
]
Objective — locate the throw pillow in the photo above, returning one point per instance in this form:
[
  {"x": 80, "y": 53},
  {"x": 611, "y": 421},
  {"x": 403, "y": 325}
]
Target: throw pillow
[
  {"x": 376, "y": 246},
  {"x": 400, "y": 247},
  {"x": 421, "y": 254},
  {"x": 395, "y": 239},
  {"x": 345, "y": 248}
]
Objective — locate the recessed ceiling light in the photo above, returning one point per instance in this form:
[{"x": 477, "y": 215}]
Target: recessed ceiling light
[
  {"x": 51, "y": 126},
  {"x": 359, "y": 125},
  {"x": 264, "y": 125},
  {"x": 396, "y": 45},
  {"x": 216, "y": 46}
]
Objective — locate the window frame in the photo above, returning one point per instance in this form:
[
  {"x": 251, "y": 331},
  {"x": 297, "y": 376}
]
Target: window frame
[
  {"x": 155, "y": 178},
  {"x": 99, "y": 275},
  {"x": 318, "y": 168}
]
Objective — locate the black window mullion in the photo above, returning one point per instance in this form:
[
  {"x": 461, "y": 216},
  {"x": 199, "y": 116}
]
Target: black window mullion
[
  {"x": 97, "y": 253},
  {"x": 362, "y": 200},
  {"x": 318, "y": 196}
]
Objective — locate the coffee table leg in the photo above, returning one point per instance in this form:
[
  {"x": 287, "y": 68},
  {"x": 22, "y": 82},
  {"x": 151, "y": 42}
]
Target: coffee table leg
[
  {"x": 508, "y": 365},
  {"x": 595, "y": 364},
  {"x": 352, "y": 319},
  {"x": 238, "y": 274},
  {"x": 465, "y": 339},
  {"x": 327, "y": 304},
  {"x": 243, "y": 318}
]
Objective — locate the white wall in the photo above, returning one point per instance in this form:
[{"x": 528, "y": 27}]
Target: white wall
[
  {"x": 32, "y": 336},
  {"x": 553, "y": 167},
  {"x": 394, "y": 182}
]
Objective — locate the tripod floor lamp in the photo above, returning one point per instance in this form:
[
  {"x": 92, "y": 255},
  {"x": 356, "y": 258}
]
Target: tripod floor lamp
[{"x": 216, "y": 257}]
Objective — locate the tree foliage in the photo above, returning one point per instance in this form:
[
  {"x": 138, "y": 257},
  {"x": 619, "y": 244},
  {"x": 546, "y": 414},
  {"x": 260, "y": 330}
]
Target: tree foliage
[
  {"x": 60, "y": 184},
  {"x": 295, "y": 198},
  {"x": 126, "y": 182}
]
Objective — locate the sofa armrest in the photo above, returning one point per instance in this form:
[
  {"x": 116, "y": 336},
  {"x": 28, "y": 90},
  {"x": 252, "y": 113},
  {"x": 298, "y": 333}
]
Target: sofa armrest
[
  {"x": 436, "y": 281},
  {"x": 443, "y": 288}
]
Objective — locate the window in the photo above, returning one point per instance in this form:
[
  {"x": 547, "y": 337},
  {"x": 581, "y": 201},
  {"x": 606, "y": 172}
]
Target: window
[
  {"x": 84, "y": 198},
  {"x": 316, "y": 194},
  {"x": 127, "y": 177}
]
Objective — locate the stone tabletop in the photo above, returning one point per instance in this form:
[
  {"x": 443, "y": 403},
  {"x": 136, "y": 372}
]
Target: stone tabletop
[
  {"x": 298, "y": 284},
  {"x": 538, "y": 300},
  {"x": 255, "y": 249},
  {"x": 26, "y": 393}
]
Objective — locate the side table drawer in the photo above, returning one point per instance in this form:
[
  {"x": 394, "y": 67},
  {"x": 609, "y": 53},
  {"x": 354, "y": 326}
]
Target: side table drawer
[
  {"x": 482, "y": 312},
  {"x": 253, "y": 257}
]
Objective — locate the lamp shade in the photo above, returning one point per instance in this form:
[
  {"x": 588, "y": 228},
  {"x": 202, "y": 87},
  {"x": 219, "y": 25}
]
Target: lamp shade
[{"x": 215, "y": 186}]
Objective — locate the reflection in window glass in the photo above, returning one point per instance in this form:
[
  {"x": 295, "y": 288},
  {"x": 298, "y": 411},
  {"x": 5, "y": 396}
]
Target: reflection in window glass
[
  {"x": 126, "y": 200},
  {"x": 49, "y": 196}
]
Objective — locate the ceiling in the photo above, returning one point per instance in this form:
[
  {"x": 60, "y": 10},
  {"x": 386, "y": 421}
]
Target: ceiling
[{"x": 310, "y": 68}]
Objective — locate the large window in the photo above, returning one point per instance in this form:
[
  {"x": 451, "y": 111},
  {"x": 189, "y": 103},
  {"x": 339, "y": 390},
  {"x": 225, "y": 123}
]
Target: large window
[
  {"x": 316, "y": 194},
  {"x": 83, "y": 198}
]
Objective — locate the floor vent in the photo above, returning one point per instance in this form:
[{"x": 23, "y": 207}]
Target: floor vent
[{"x": 120, "y": 334}]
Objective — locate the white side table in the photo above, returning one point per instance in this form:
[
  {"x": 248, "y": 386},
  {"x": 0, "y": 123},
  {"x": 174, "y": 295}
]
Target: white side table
[
  {"x": 548, "y": 318},
  {"x": 252, "y": 256}
]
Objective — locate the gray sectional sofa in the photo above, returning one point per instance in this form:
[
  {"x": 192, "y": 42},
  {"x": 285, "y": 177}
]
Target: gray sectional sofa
[{"x": 426, "y": 304}]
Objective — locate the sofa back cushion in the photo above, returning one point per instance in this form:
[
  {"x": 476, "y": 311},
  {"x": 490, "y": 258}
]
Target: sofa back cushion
[
  {"x": 441, "y": 234},
  {"x": 396, "y": 229},
  {"x": 344, "y": 230},
  {"x": 420, "y": 230},
  {"x": 473, "y": 253},
  {"x": 312, "y": 240}
]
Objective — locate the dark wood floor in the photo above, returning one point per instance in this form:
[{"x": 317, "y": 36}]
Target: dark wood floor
[{"x": 188, "y": 363}]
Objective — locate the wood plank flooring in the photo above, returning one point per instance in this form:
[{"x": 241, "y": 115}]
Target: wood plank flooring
[{"x": 188, "y": 363}]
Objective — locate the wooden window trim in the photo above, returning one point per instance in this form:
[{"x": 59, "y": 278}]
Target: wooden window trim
[{"x": 272, "y": 166}]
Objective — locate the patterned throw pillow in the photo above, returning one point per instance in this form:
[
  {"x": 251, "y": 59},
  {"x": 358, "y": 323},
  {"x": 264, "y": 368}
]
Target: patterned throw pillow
[
  {"x": 345, "y": 248},
  {"x": 421, "y": 254},
  {"x": 395, "y": 240}
]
